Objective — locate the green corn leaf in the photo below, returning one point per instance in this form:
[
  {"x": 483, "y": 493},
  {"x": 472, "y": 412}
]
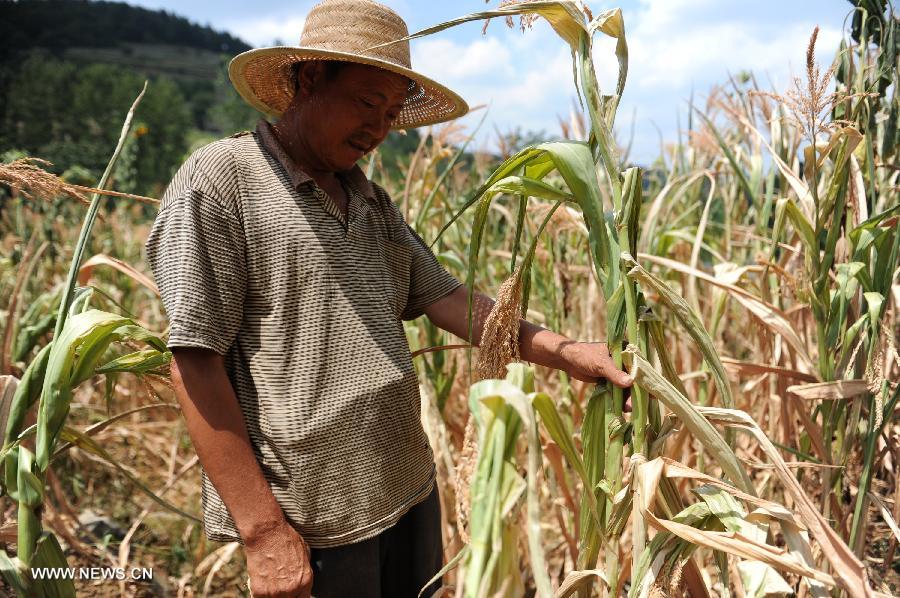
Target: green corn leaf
[
  {"x": 11, "y": 473},
  {"x": 691, "y": 323},
  {"x": 88, "y": 328},
  {"x": 803, "y": 227},
  {"x": 12, "y": 573},
  {"x": 574, "y": 162},
  {"x": 702, "y": 430},
  {"x": 49, "y": 554},
  {"x": 30, "y": 334},
  {"x": 665, "y": 359},
  {"x": 504, "y": 398},
  {"x": 594, "y": 444},
  {"x": 875, "y": 302},
  {"x": 526, "y": 186},
  {"x": 450, "y": 259},
  {"x": 724, "y": 507},
  {"x": 73, "y": 358},
  {"x": 81, "y": 299},
  {"x": 761, "y": 580},
  {"x": 138, "y": 362},
  {"x": 522, "y": 209},
  {"x": 631, "y": 207},
  {"x": 695, "y": 515},
  {"x": 29, "y": 487},
  {"x": 847, "y": 279},
  {"x": 528, "y": 261},
  {"x": 30, "y": 492},
  {"x": 27, "y": 392},
  {"x": 561, "y": 435},
  {"x": 873, "y": 221}
]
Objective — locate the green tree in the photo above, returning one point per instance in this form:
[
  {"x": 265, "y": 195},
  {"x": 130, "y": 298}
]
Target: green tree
[{"x": 69, "y": 115}]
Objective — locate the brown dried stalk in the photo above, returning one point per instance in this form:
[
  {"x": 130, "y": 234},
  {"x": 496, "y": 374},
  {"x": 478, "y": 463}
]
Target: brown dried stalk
[
  {"x": 809, "y": 103},
  {"x": 499, "y": 346},
  {"x": 26, "y": 176}
]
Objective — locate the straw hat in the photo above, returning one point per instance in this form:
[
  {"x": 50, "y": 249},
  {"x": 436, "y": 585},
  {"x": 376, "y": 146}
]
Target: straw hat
[{"x": 350, "y": 30}]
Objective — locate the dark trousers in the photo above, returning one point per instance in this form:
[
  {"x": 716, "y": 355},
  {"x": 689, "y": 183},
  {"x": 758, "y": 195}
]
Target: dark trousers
[{"x": 397, "y": 563}]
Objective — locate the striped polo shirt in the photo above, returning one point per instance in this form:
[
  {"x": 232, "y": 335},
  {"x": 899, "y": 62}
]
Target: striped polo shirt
[{"x": 254, "y": 261}]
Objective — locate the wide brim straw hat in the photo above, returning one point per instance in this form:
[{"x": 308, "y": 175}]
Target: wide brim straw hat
[{"x": 360, "y": 31}]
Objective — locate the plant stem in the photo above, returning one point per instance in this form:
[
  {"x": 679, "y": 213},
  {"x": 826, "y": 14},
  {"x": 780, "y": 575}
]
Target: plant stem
[{"x": 89, "y": 219}]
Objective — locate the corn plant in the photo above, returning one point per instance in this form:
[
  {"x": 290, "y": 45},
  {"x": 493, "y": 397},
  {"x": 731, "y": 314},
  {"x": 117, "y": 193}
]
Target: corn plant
[
  {"x": 572, "y": 172},
  {"x": 78, "y": 351}
]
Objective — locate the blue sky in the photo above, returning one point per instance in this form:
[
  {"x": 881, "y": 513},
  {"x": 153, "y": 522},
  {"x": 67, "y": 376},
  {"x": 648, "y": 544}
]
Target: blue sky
[{"x": 674, "y": 46}]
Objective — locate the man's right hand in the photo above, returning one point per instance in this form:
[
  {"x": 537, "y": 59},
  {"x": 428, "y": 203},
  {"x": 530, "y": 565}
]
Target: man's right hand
[{"x": 278, "y": 563}]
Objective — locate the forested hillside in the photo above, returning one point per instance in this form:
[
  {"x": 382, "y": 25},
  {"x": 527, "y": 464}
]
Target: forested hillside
[
  {"x": 69, "y": 69},
  {"x": 62, "y": 24}
]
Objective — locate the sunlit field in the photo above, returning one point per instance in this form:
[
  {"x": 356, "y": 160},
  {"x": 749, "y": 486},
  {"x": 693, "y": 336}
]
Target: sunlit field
[{"x": 747, "y": 279}]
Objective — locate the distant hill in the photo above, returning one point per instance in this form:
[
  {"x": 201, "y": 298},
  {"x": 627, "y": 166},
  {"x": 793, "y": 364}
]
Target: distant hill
[
  {"x": 69, "y": 70},
  {"x": 58, "y": 25}
]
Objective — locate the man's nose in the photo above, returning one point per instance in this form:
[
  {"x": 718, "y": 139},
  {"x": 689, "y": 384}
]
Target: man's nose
[{"x": 379, "y": 125}]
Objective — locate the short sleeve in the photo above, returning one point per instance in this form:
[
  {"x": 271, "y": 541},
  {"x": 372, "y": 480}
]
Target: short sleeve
[
  {"x": 197, "y": 255},
  {"x": 428, "y": 279}
]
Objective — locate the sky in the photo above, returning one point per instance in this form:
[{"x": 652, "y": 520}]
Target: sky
[{"x": 525, "y": 79}]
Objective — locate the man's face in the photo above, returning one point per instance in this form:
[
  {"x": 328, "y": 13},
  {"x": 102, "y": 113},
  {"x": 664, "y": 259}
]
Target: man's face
[{"x": 349, "y": 115}]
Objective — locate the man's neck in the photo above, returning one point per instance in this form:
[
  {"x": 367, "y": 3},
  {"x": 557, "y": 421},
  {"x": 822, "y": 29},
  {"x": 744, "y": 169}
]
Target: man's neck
[{"x": 287, "y": 132}]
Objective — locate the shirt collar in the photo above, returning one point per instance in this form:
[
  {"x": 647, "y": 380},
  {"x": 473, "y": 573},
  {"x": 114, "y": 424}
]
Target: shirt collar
[{"x": 355, "y": 176}]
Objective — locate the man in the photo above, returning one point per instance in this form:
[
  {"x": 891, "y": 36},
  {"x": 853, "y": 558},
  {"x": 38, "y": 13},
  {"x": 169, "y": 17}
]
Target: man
[{"x": 285, "y": 275}]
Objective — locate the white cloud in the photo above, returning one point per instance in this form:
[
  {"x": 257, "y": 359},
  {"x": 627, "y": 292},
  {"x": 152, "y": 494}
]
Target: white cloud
[
  {"x": 680, "y": 46},
  {"x": 661, "y": 16},
  {"x": 266, "y": 31},
  {"x": 703, "y": 54},
  {"x": 446, "y": 60},
  {"x": 526, "y": 80}
]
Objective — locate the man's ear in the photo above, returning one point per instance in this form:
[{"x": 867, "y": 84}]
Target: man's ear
[{"x": 309, "y": 75}]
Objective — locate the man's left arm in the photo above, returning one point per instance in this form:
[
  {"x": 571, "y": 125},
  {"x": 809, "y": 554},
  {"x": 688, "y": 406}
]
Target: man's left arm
[{"x": 587, "y": 362}]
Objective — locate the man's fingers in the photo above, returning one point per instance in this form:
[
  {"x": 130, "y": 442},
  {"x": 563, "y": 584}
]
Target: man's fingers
[
  {"x": 615, "y": 375},
  {"x": 621, "y": 379}
]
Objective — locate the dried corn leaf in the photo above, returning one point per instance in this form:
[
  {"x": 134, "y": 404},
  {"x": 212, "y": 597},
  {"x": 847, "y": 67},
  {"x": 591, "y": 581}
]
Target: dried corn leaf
[
  {"x": 777, "y": 324},
  {"x": 742, "y": 546},
  {"x": 674, "y": 469},
  {"x": 752, "y": 368},
  {"x": 87, "y": 269},
  {"x": 761, "y": 580},
  {"x": 701, "y": 275},
  {"x": 576, "y": 580},
  {"x": 850, "y": 572},
  {"x": 886, "y": 514},
  {"x": 804, "y": 195},
  {"x": 792, "y": 528},
  {"x": 838, "y": 389}
]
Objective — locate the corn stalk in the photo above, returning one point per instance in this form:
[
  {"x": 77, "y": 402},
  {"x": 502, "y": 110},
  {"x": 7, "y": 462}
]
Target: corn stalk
[{"x": 78, "y": 351}]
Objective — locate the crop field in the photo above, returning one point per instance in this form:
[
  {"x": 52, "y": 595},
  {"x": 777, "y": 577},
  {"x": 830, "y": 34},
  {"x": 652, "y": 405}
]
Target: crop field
[{"x": 749, "y": 280}]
